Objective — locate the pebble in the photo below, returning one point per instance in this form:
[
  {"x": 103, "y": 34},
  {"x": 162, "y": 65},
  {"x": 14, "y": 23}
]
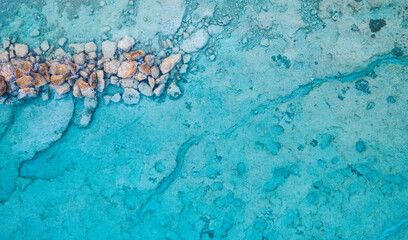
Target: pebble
[
  {"x": 61, "y": 89},
  {"x": 37, "y": 51},
  {"x": 129, "y": 83},
  {"x": 108, "y": 49},
  {"x": 45, "y": 46},
  {"x": 155, "y": 72}
]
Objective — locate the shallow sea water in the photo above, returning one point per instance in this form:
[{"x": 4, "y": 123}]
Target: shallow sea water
[{"x": 293, "y": 124}]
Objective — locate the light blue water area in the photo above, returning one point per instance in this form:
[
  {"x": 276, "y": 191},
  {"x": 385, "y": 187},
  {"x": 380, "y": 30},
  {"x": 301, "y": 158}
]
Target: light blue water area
[{"x": 293, "y": 124}]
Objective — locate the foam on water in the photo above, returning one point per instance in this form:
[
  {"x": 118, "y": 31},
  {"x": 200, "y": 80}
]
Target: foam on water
[{"x": 292, "y": 125}]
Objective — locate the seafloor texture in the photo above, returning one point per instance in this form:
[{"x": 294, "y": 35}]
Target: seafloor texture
[{"x": 293, "y": 124}]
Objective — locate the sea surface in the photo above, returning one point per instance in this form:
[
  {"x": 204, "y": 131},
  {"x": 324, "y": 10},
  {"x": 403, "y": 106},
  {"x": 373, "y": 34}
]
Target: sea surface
[{"x": 292, "y": 124}]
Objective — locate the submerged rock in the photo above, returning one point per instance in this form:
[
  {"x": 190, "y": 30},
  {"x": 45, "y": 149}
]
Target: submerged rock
[
  {"x": 130, "y": 96},
  {"x": 173, "y": 90},
  {"x": 145, "y": 89},
  {"x": 116, "y": 98},
  {"x": 196, "y": 41}
]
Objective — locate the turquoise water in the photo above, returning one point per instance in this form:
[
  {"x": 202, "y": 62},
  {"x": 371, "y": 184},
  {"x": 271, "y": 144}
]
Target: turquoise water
[{"x": 292, "y": 124}]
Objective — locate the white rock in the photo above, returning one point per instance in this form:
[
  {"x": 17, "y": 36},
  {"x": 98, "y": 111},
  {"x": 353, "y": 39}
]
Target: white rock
[
  {"x": 45, "y": 46},
  {"x": 131, "y": 96},
  {"x": 116, "y": 98},
  {"x": 37, "y": 51},
  {"x": 159, "y": 90},
  {"x": 62, "y": 42},
  {"x": 126, "y": 43},
  {"x": 77, "y": 47},
  {"x": 145, "y": 89},
  {"x": 183, "y": 68},
  {"x": 6, "y": 43},
  {"x": 4, "y": 56},
  {"x": 60, "y": 52},
  {"x": 90, "y": 47},
  {"x": 186, "y": 58},
  {"x": 162, "y": 79},
  {"x": 21, "y": 50},
  {"x": 196, "y": 41},
  {"x": 108, "y": 49},
  {"x": 173, "y": 90}
]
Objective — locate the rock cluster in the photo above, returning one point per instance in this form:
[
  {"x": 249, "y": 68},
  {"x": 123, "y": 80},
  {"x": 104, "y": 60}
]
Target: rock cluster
[{"x": 86, "y": 73}]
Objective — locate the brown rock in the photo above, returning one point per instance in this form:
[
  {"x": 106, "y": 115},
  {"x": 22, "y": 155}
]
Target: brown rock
[
  {"x": 59, "y": 69},
  {"x": 81, "y": 84},
  {"x": 168, "y": 63},
  {"x": 92, "y": 80},
  {"x": 127, "y": 69},
  {"x": 145, "y": 68},
  {"x": 3, "y": 85},
  {"x": 111, "y": 66},
  {"x": 57, "y": 79},
  {"x": 77, "y": 91},
  {"x": 38, "y": 79},
  {"x": 140, "y": 76},
  {"x": 26, "y": 66},
  {"x": 79, "y": 58},
  {"x": 134, "y": 55},
  {"x": 19, "y": 73},
  {"x": 43, "y": 69},
  {"x": 25, "y": 81},
  {"x": 7, "y": 71}
]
